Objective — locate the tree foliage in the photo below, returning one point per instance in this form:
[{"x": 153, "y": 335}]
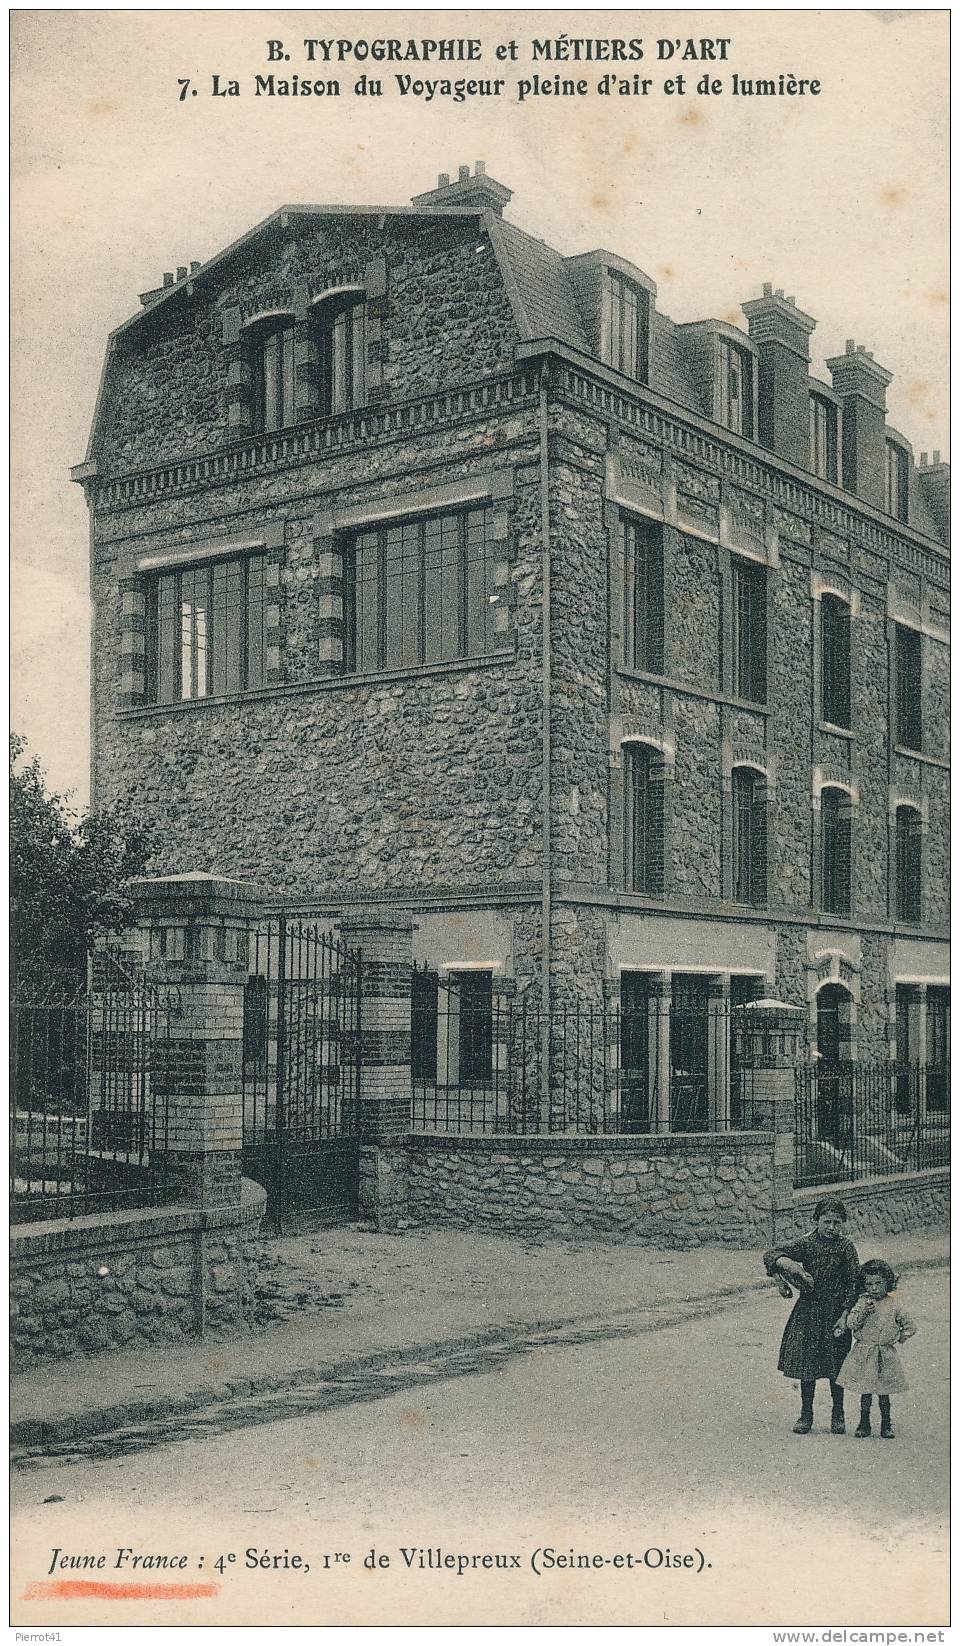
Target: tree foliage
[{"x": 67, "y": 874}]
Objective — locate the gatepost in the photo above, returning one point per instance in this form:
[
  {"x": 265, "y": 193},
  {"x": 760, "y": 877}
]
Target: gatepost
[
  {"x": 385, "y": 1096},
  {"x": 768, "y": 1035},
  {"x": 193, "y": 931}
]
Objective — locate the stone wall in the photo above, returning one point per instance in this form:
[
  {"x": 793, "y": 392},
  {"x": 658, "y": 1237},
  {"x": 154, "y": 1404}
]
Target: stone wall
[
  {"x": 669, "y": 1191},
  {"x": 905, "y": 1204},
  {"x": 123, "y": 1279}
]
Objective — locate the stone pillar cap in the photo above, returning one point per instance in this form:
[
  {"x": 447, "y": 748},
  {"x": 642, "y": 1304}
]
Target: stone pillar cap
[
  {"x": 194, "y": 891},
  {"x": 398, "y": 920}
]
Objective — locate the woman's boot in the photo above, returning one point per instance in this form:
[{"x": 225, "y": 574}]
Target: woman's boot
[
  {"x": 804, "y": 1422},
  {"x": 886, "y": 1427},
  {"x": 863, "y": 1430}
]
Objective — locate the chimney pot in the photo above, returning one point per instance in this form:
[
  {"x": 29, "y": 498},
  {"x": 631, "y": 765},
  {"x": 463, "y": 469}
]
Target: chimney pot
[
  {"x": 194, "y": 268},
  {"x": 936, "y": 458},
  {"x": 861, "y": 349},
  {"x": 443, "y": 181},
  {"x": 463, "y": 176},
  {"x": 768, "y": 288},
  {"x": 181, "y": 272},
  {"x": 849, "y": 346},
  {"x": 481, "y": 168},
  {"x": 779, "y": 291},
  {"x": 168, "y": 279},
  {"x": 923, "y": 460}
]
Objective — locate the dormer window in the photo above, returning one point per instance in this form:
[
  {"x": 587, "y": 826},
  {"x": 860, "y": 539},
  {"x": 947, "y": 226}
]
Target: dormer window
[
  {"x": 897, "y": 481},
  {"x": 735, "y": 384},
  {"x": 625, "y": 326},
  {"x": 271, "y": 374},
  {"x": 823, "y": 438},
  {"x": 341, "y": 341}
]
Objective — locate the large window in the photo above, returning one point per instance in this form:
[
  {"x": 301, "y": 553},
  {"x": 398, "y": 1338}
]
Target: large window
[
  {"x": 625, "y": 322},
  {"x": 908, "y": 664},
  {"x": 420, "y": 592},
  {"x": 736, "y": 388},
  {"x": 749, "y": 836},
  {"x": 270, "y": 347},
  {"x": 749, "y": 631},
  {"x": 835, "y": 825},
  {"x": 342, "y": 349},
  {"x": 898, "y": 478},
  {"x": 206, "y": 630},
  {"x": 643, "y": 818},
  {"x": 908, "y": 860},
  {"x": 823, "y": 438},
  {"x": 643, "y": 541},
  {"x": 835, "y": 660}
]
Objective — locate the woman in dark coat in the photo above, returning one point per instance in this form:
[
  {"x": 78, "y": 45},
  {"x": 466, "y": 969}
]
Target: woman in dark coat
[{"x": 824, "y": 1267}]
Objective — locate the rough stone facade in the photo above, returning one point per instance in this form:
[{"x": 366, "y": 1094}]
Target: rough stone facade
[
  {"x": 424, "y": 786},
  {"x": 888, "y": 1205},
  {"x": 123, "y": 1279}
]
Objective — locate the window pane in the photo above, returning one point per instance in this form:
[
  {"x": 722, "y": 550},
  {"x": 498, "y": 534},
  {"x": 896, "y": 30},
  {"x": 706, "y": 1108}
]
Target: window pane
[
  {"x": 423, "y": 1025},
  {"x": 750, "y": 631},
  {"x": 226, "y": 625},
  {"x": 644, "y": 546},
  {"x": 908, "y": 841},
  {"x": 366, "y": 584},
  {"x": 909, "y": 662},
  {"x": 479, "y": 611},
  {"x": 835, "y": 660},
  {"x": 168, "y": 639},
  {"x": 256, "y": 623},
  {"x": 644, "y": 821},
  {"x": 835, "y": 823}
]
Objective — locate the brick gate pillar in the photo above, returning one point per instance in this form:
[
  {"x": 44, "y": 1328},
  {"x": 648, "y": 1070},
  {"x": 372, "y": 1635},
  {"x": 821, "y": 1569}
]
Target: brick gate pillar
[
  {"x": 385, "y": 1096},
  {"x": 767, "y": 1037},
  {"x": 192, "y": 933}
]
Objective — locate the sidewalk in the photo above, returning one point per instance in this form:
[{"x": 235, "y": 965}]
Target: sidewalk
[{"x": 341, "y": 1300}]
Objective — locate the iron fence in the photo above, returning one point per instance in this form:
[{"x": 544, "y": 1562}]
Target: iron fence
[
  {"x": 478, "y": 1066},
  {"x": 864, "y": 1120},
  {"x": 89, "y": 1117}
]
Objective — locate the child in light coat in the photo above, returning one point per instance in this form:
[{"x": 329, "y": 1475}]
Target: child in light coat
[{"x": 878, "y": 1323}]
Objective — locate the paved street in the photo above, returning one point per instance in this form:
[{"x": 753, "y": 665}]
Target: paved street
[{"x": 636, "y": 1435}]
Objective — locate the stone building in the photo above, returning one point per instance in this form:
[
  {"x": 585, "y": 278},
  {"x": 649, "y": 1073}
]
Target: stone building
[{"x": 437, "y": 569}]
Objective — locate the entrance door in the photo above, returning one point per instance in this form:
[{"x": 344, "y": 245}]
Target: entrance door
[
  {"x": 689, "y": 1053},
  {"x": 635, "y": 1030},
  {"x": 834, "y": 1084}
]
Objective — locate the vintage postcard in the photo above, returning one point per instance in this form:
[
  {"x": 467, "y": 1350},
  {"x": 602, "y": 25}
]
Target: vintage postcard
[{"x": 480, "y": 1105}]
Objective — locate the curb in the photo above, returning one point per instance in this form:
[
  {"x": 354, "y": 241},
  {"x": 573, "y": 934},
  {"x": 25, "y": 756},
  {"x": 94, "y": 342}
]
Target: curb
[{"x": 36, "y": 1432}]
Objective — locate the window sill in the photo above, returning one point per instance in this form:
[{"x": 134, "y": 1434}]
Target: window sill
[
  {"x": 668, "y": 682},
  {"x": 320, "y": 683},
  {"x": 917, "y": 754},
  {"x": 835, "y": 730}
]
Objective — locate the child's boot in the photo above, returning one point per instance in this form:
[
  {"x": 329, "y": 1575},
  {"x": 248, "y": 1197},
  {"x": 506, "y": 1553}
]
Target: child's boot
[
  {"x": 863, "y": 1430},
  {"x": 837, "y": 1425},
  {"x": 804, "y": 1422},
  {"x": 886, "y": 1427}
]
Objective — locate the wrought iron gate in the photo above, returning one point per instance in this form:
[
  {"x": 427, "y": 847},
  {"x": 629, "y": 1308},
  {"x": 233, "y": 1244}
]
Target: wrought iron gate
[{"x": 301, "y": 1068}]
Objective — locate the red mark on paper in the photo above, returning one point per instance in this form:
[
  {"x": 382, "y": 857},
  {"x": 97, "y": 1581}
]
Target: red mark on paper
[{"x": 73, "y": 1588}]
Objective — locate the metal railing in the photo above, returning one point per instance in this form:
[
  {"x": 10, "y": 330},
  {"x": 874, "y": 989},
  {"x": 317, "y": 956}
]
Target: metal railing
[
  {"x": 864, "y": 1120},
  {"x": 89, "y": 1124},
  {"x": 478, "y": 1067}
]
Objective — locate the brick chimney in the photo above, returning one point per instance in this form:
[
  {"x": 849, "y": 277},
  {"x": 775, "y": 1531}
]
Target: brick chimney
[
  {"x": 781, "y": 332},
  {"x": 479, "y": 191},
  {"x": 862, "y": 387},
  {"x": 933, "y": 479}
]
